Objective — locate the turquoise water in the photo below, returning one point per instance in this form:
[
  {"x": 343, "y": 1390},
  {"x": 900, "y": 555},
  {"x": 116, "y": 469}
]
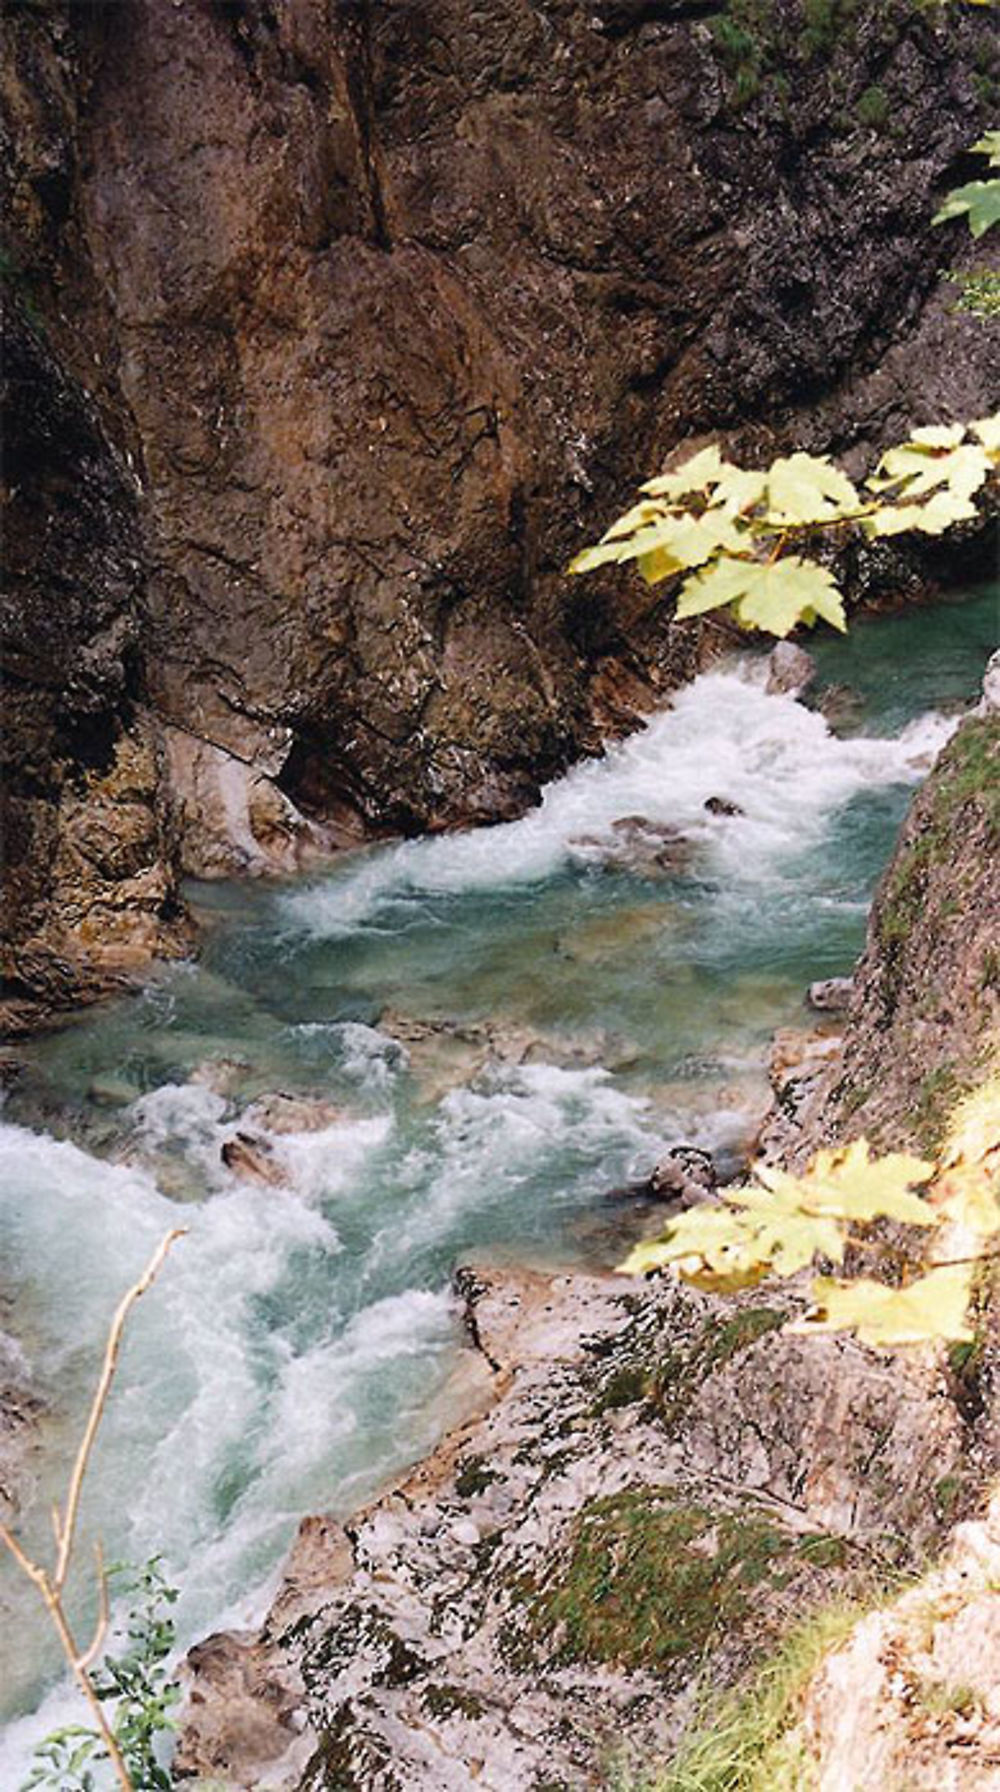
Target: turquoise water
[{"x": 503, "y": 1026}]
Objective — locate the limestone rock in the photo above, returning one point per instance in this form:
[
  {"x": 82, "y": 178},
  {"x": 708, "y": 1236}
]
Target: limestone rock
[
  {"x": 419, "y": 1647},
  {"x": 913, "y": 1696}
]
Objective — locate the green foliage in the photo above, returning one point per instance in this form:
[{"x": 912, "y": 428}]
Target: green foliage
[
  {"x": 980, "y": 292},
  {"x": 780, "y": 1223},
  {"x": 719, "y": 532},
  {"x": 651, "y": 1579},
  {"x": 137, "y": 1683},
  {"x": 872, "y": 109},
  {"x": 979, "y": 201}
]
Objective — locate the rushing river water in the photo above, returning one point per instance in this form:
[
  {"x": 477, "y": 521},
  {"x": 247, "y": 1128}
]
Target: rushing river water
[{"x": 508, "y": 1024}]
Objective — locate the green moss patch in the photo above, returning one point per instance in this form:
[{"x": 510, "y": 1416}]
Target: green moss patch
[
  {"x": 651, "y": 1580},
  {"x": 664, "y": 1375}
]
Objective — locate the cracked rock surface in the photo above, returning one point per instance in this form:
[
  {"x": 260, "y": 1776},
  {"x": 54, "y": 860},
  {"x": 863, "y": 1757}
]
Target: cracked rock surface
[
  {"x": 339, "y": 327},
  {"x": 676, "y": 1458}
]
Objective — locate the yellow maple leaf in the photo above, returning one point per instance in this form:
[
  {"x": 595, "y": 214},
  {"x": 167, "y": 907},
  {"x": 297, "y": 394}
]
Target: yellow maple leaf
[
  {"x": 932, "y": 1307},
  {"x": 849, "y": 1184}
]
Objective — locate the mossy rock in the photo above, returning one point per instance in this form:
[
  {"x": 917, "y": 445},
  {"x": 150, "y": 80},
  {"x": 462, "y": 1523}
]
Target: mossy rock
[{"x": 651, "y": 1580}]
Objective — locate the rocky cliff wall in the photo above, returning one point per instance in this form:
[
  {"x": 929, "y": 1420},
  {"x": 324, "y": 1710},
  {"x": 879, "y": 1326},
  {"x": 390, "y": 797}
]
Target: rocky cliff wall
[
  {"x": 922, "y": 1026},
  {"x": 373, "y": 314}
]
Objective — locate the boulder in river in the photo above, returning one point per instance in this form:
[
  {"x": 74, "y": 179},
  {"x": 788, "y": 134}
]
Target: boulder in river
[
  {"x": 250, "y": 1156},
  {"x": 280, "y": 1113},
  {"x": 830, "y": 995},
  {"x": 640, "y": 845},
  {"x": 722, "y": 805},
  {"x": 683, "y": 1177},
  {"x": 790, "y": 670}
]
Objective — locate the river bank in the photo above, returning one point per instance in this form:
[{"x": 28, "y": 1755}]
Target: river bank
[{"x": 499, "y": 1028}]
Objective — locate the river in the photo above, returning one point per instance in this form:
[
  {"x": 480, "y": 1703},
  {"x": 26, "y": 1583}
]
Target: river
[{"x": 507, "y": 1024}]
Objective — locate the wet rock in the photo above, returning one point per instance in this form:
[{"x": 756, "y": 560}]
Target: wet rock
[
  {"x": 721, "y": 805},
  {"x": 840, "y": 705},
  {"x": 20, "y": 1413},
  {"x": 683, "y": 1177},
  {"x": 251, "y": 1157},
  {"x": 281, "y": 1113},
  {"x": 639, "y": 845},
  {"x": 230, "y": 816},
  {"x": 990, "y": 701},
  {"x": 790, "y": 669},
  {"x": 831, "y": 995}
]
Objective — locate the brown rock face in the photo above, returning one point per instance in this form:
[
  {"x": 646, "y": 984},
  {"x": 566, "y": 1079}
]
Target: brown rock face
[
  {"x": 366, "y": 316},
  {"x": 923, "y": 1026}
]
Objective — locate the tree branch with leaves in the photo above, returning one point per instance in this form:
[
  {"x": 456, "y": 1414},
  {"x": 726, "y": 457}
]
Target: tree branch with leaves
[
  {"x": 778, "y": 1224},
  {"x": 728, "y": 537}
]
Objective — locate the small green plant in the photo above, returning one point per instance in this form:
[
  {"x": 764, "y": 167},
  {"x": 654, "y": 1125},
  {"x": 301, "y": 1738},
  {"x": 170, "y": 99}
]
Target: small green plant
[
  {"x": 135, "y": 1684},
  {"x": 872, "y": 109},
  {"x": 979, "y": 201}
]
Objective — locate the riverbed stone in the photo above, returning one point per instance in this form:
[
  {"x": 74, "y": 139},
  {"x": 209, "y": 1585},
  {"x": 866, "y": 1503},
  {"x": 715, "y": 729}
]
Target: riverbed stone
[
  {"x": 790, "y": 669},
  {"x": 830, "y": 995}
]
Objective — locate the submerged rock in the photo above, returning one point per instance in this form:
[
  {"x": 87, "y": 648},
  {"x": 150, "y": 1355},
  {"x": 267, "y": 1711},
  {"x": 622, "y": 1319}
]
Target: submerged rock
[
  {"x": 721, "y": 805},
  {"x": 444, "y": 1053}
]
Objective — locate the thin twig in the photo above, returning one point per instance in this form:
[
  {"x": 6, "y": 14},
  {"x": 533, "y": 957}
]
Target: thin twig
[
  {"x": 50, "y": 1587},
  {"x": 67, "y": 1523},
  {"x": 90, "y": 1655}
]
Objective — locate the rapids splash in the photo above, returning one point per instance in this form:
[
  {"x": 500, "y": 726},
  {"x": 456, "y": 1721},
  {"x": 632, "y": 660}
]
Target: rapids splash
[{"x": 302, "y": 1346}]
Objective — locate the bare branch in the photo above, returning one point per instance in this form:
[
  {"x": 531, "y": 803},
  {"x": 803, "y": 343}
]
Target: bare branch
[
  {"x": 103, "y": 1614},
  {"x": 67, "y": 1523},
  {"x": 64, "y": 1526}
]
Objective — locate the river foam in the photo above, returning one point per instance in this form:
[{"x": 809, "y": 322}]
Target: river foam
[
  {"x": 302, "y": 1346},
  {"x": 723, "y": 736}
]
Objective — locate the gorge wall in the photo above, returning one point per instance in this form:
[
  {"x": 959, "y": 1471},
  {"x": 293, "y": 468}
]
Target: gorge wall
[{"x": 337, "y": 328}]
